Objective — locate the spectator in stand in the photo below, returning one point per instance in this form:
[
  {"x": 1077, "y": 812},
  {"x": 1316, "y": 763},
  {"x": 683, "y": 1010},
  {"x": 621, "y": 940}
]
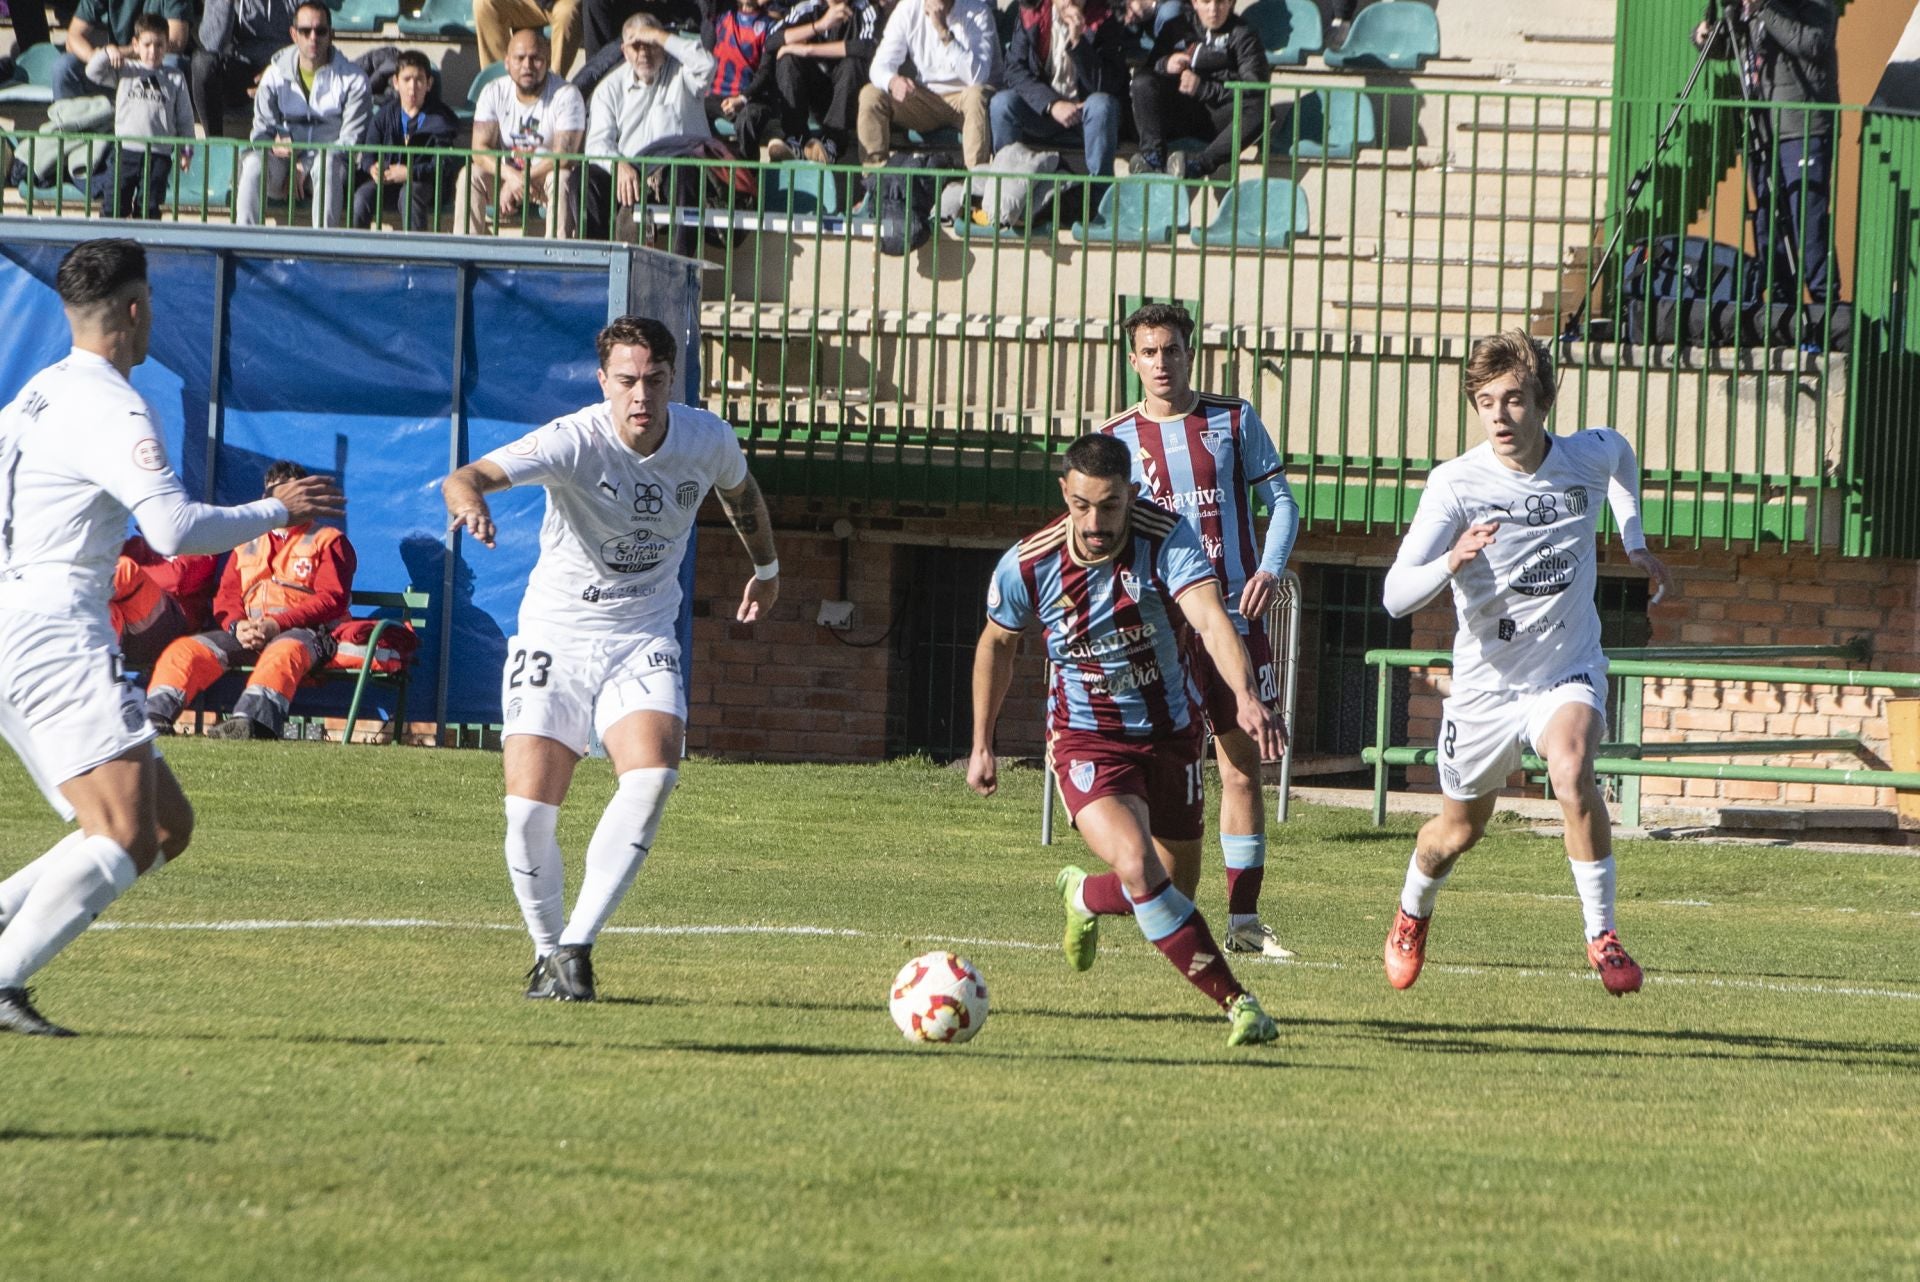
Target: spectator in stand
[
  {"x": 495, "y": 21},
  {"x": 238, "y": 38},
  {"x": 1066, "y": 80},
  {"x": 29, "y": 29},
  {"x": 603, "y": 21},
  {"x": 954, "y": 48},
  {"x": 1182, "y": 92},
  {"x": 539, "y": 120},
  {"x": 107, "y": 26},
  {"x": 310, "y": 93},
  {"x": 279, "y": 598},
  {"x": 735, "y": 33},
  {"x": 157, "y": 600},
  {"x": 660, "y": 92},
  {"x": 150, "y": 100},
  {"x": 818, "y": 59},
  {"x": 1142, "y": 22},
  {"x": 413, "y": 117}
]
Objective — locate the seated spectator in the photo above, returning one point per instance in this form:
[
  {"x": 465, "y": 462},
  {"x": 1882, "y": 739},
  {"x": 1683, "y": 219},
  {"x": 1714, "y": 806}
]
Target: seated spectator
[
  {"x": 818, "y": 59},
  {"x": 495, "y": 21},
  {"x": 1182, "y": 92},
  {"x": 660, "y": 92},
  {"x": 603, "y": 21},
  {"x": 735, "y": 33},
  {"x": 311, "y": 93},
  {"x": 412, "y": 117},
  {"x": 955, "y": 51},
  {"x": 1142, "y": 22},
  {"x": 1066, "y": 80},
  {"x": 279, "y": 599},
  {"x": 150, "y": 100},
  {"x": 537, "y": 118},
  {"x": 107, "y": 26},
  {"x": 157, "y": 600},
  {"x": 238, "y": 38}
]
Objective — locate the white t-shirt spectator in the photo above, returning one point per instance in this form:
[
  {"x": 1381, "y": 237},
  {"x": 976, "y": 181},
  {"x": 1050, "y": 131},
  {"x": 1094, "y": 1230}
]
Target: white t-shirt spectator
[{"x": 531, "y": 126}]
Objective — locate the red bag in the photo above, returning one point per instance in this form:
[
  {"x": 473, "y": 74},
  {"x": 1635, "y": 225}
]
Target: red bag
[{"x": 392, "y": 653}]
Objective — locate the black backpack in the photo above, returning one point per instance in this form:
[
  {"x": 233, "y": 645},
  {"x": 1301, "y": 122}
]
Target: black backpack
[{"x": 903, "y": 203}]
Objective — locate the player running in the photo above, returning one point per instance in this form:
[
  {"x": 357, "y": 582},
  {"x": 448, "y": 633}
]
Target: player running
[
  {"x": 1122, "y": 735},
  {"x": 79, "y": 453},
  {"x": 1197, "y": 455},
  {"x": 1510, "y": 525},
  {"x": 595, "y": 651}
]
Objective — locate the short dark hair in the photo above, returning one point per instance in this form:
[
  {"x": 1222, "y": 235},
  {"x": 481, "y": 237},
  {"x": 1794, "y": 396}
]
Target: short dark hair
[
  {"x": 1097, "y": 455},
  {"x": 1160, "y": 316},
  {"x": 415, "y": 59},
  {"x": 283, "y": 469},
  {"x": 149, "y": 23},
  {"x": 1512, "y": 352},
  {"x": 95, "y": 270},
  {"x": 636, "y": 331},
  {"x": 318, "y": 6}
]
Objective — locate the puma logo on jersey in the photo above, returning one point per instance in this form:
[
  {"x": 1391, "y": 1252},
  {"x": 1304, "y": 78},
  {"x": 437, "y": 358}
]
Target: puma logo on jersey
[{"x": 613, "y": 491}]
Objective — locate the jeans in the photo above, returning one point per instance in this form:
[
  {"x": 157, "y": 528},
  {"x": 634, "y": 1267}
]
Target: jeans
[{"x": 1015, "y": 120}]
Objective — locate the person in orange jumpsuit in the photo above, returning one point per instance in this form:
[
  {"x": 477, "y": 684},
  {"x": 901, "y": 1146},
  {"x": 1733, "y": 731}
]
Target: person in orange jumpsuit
[
  {"x": 279, "y": 598},
  {"x": 158, "y": 599}
]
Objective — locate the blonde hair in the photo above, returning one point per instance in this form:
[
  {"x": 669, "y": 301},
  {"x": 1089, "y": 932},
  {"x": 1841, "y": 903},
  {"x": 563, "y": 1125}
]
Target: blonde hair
[{"x": 1512, "y": 352}]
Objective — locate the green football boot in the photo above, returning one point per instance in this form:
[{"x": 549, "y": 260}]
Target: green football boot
[
  {"x": 1251, "y": 1025},
  {"x": 1081, "y": 941}
]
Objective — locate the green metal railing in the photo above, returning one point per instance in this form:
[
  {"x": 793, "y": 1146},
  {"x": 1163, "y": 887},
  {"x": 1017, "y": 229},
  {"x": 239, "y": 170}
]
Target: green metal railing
[{"x": 1626, "y": 757}]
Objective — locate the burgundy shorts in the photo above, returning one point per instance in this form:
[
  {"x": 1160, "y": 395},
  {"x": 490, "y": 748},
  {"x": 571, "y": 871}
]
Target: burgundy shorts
[
  {"x": 1164, "y": 773},
  {"x": 1216, "y": 696}
]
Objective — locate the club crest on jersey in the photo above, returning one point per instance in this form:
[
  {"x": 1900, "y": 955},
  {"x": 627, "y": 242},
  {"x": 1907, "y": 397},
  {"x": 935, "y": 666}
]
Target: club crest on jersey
[
  {"x": 1577, "y": 499},
  {"x": 633, "y": 553},
  {"x": 687, "y": 494},
  {"x": 1080, "y": 775},
  {"x": 1548, "y": 572},
  {"x": 993, "y": 596},
  {"x": 1506, "y": 629},
  {"x": 1130, "y": 584},
  {"x": 1215, "y": 439}
]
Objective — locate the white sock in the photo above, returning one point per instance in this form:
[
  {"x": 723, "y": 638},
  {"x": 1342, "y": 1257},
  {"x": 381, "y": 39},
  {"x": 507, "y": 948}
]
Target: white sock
[
  {"x": 533, "y": 866},
  {"x": 1594, "y": 881},
  {"x": 13, "y": 891},
  {"x": 71, "y": 892},
  {"x": 620, "y": 844},
  {"x": 1420, "y": 890},
  {"x": 1080, "y": 899}
]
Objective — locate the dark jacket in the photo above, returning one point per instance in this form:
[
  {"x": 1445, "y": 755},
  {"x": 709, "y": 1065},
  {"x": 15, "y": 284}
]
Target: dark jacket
[
  {"x": 861, "y": 37},
  {"x": 437, "y": 128},
  {"x": 1789, "y": 47},
  {"x": 1099, "y": 60},
  {"x": 1236, "y": 55}
]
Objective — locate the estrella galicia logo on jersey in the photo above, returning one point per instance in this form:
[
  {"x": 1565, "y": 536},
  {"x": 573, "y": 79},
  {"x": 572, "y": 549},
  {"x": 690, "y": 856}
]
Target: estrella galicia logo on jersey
[
  {"x": 148, "y": 455},
  {"x": 1577, "y": 500},
  {"x": 647, "y": 500},
  {"x": 1548, "y": 572},
  {"x": 687, "y": 494},
  {"x": 1506, "y": 629},
  {"x": 1080, "y": 775},
  {"x": 633, "y": 553}
]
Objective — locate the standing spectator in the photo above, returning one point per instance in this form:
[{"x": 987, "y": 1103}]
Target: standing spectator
[
  {"x": 735, "y": 33},
  {"x": 238, "y": 38},
  {"x": 150, "y": 100},
  {"x": 1066, "y": 80},
  {"x": 955, "y": 51},
  {"x": 495, "y": 21},
  {"x": 659, "y": 93},
  {"x": 1183, "y": 90},
  {"x": 311, "y": 93},
  {"x": 538, "y": 119},
  {"x": 107, "y": 26},
  {"x": 414, "y": 117},
  {"x": 1788, "y": 57},
  {"x": 819, "y": 55}
]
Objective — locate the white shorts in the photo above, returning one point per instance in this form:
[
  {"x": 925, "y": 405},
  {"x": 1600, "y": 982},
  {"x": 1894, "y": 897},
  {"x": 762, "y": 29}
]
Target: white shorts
[
  {"x": 1483, "y": 735},
  {"x": 64, "y": 705},
  {"x": 569, "y": 689}
]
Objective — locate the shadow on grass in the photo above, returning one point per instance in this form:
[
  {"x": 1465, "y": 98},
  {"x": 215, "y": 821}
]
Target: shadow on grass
[
  {"x": 1256, "y": 1057},
  {"x": 1745, "y": 979},
  {"x": 14, "y": 1134},
  {"x": 1684, "y": 1043}
]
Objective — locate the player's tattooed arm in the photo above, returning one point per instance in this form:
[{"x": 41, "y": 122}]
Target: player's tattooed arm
[
  {"x": 746, "y": 508},
  {"x": 466, "y": 493}
]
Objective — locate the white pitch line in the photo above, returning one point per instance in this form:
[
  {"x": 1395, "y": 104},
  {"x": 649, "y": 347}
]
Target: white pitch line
[{"x": 966, "y": 941}]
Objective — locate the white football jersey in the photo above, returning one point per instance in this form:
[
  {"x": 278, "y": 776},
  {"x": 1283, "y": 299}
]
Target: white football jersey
[
  {"x": 1525, "y": 604},
  {"x": 616, "y": 524},
  {"x": 79, "y": 451}
]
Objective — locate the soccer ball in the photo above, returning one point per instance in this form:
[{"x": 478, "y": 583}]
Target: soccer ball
[{"x": 938, "y": 997}]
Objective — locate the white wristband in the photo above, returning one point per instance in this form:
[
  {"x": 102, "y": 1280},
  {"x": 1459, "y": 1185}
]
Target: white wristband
[{"x": 771, "y": 570}]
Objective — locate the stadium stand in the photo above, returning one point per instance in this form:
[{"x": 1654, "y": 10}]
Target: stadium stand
[
  {"x": 1260, "y": 213},
  {"x": 1398, "y": 35},
  {"x": 1290, "y": 29}
]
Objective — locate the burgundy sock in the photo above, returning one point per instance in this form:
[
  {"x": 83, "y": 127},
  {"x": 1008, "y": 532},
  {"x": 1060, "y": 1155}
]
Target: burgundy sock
[
  {"x": 1103, "y": 896},
  {"x": 1194, "y": 954},
  {"x": 1243, "y": 889}
]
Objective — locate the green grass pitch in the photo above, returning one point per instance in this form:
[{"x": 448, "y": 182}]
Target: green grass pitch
[{"x": 335, "y": 1099}]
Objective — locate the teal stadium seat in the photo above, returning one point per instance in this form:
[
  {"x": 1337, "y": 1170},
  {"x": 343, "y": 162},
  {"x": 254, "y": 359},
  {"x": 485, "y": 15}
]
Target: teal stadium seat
[
  {"x": 1147, "y": 210},
  {"x": 1260, "y": 213},
  {"x": 364, "y": 15},
  {"x": 33, "y": 72},
  {"x": 800, "y": 188},
  {"x": 1397, "y": 35},
  {"x": 1289, "y": 30},
  {"x": 1329, "y": 124},
  {"x": 440, "y": 18},
  {"x": 207, "y": 179}
]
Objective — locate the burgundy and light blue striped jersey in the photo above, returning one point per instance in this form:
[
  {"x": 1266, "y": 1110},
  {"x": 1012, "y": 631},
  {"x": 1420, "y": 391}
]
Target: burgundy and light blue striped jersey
[
  {"x": 1200, "y": 467},
  {"x": 1112, "y": 631}
]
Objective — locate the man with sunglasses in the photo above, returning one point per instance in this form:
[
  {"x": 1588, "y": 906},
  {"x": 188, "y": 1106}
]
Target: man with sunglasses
[{"x": 311, "y": 93}]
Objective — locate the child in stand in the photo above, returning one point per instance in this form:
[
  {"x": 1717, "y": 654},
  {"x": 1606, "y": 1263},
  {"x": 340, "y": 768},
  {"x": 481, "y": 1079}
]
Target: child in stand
[
  {"x": 150, "y": 101},
  {"x": 413, "y": 117}
]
